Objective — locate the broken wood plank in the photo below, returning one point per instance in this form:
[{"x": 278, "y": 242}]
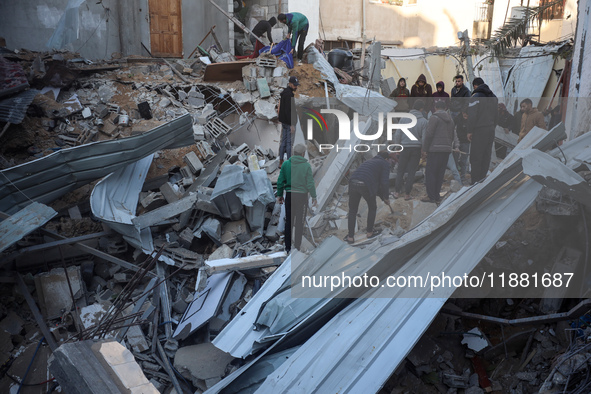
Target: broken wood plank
[
  {"x": 36, "y": 314},
  {"x": 244, "y": 263},
  {"x": 226, "y": 71}
]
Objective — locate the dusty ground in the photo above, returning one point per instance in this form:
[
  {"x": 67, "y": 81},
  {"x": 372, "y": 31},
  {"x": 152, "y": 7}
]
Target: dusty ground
[{"x": 311, "y": 81}]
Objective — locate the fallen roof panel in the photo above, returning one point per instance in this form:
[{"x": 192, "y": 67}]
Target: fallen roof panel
[
  {"x": 359, "y": 348},
  {"x": 51, "y": 177},
  {"x": 23, "y": 223},
  {"x": 14, "y": 109}
]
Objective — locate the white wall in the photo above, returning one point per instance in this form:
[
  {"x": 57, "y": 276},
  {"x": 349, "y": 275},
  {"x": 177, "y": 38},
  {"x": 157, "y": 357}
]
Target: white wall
[{"x": 310, "y": 8}]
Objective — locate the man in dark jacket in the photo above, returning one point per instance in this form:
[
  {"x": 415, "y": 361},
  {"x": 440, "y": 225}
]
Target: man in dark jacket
[
  {"x": 263, "y": 27},
  {"x": 421, "y": 89},
  {"x": 286, "y": 118},
  {"x": 370, "y": 180},
  {"x": 459, "y": 96},
  {"x": 410, "y": 156},
  {"x": 296, "y": 180},
  {"x": 482, "y": 120},
  {"x": 437, "y": 144}
]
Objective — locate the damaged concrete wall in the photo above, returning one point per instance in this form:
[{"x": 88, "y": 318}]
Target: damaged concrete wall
[
  {"x": 107, "y": 27},
  {"x": 101, "y": 29},
  {"x": 428, "y": 23},
  {"x": 579, "y": 110}
]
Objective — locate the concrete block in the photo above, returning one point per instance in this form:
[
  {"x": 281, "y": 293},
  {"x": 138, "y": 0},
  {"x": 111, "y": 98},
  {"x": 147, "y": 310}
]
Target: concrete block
[
  {"x": 234, "y": 230},
  {"x": 264, "y": 109},
  {"x": 202, "y": 363},
  {"x": 204, "y": 151},
  {"x": 271, "y": 166},
  {"x": 223, "y": 252},
  {"x": 136, "y": 339},
  {"x": 193, "y": 162},
  {"x": 169, "y": 193},
  {"x": 186, "y": 238},
  {"x": 12, "y": 324},
  {"x": 54, "y": 293},
  {"x": 74, "y": 213},
  {"x": 153, "y": 200},
  {"x": 217, "y": 128},
  {"x": 264, "y": 61},
  {"x": 198, "y": 132},
  {"x": 206, "y": 114},
  {"x": 263, "y": 87}
]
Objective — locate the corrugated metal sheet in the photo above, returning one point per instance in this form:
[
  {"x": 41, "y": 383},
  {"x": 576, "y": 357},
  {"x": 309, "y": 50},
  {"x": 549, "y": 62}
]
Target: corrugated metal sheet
[
  {"x": 24, "y": 222},
  {"x": 14, "y": 109},
  {"x": 529, "y": 76},
  {"x": 51, "y": 177},
  {"x": 358, "y": 349}
]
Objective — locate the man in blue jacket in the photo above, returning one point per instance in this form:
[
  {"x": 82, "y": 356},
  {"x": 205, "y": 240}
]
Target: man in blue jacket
[{"x": 370, "y": 180}]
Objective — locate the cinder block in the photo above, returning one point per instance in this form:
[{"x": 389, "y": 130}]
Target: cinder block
[
  {"x": 263, "y": 87},
  {"x": 217, "y": 127},
  {"x": 169, "y": 193},
  {"x": 193, "y": 162}
]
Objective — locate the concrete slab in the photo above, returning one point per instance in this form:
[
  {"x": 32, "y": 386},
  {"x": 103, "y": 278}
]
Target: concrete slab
[
  {"x": 201, "y": 363},
  {"x": 54, "y": 293}
]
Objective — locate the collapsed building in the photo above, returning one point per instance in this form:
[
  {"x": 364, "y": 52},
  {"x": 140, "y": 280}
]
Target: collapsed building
[{"x": 142, "y": 246}]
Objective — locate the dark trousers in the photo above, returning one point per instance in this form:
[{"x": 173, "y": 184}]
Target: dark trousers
[
  {"x": 296, "y": 205},
  {"x": 300, "y": 42},
  {"x": 435, "y": 172},
  {"x": 356, "y": 191},
  {"x": 408, "y": 162},
  {"x": 480, "y": 153}
]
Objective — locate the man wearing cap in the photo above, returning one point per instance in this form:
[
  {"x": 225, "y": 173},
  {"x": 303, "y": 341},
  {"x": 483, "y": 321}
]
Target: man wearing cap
[
  {"x": 286, "y": 118},
  {"x": 482, "y": 120},
  {"x": 296, "y": 180}
]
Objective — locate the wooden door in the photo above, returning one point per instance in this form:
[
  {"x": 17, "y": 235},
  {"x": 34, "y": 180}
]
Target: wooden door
[{"x": 166, "y": 39}]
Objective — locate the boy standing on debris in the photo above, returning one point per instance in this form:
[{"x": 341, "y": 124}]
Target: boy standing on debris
[
  {"x": 287, "y": 122},
  {"x": 297, "y": 25},
  {"x": 370, "y": 180},
  {"x": 423, "y": 90},
  {"x": 401, "y": 94},
  {"x": 295, "y": 178},
  {"x": 437, "y": 144}
]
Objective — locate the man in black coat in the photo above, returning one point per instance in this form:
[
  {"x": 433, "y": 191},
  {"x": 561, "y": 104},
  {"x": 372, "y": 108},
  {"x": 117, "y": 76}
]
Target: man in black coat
[
  {"x": 482, "y": 120},
  {"x": 263, "y": 27},
  {"x": 459, "y": 96}
]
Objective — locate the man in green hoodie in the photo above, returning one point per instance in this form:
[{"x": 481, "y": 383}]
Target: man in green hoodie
[
  {"x": 296, "y": 180},
  {"x": 297, "y": 29}
]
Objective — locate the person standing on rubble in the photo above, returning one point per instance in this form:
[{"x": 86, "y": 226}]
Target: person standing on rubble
[
  {"x": 421, "y": 89},
  {"x": 370, "y": 180},
  {"x": 297, "y": 29},
  {"x": 401, "y": 94},
  {"x": 530, "y": 118},
  {"x": 296, "y": 180},
  {"x": 261, "y": 28},
  {"x": 438, "y": 141},
  {"x": 410, "y": 156},
  {"x": 285, "y": 117},
  {"x": 459, "y": 96},
  {"x": 482, "y": 121},
  {"x": 440, "y": 95}
]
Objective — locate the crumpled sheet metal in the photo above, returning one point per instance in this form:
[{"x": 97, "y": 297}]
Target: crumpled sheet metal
[
  {"x": 114, "y": 201},
  {"x": 23, "y": 223},
  {"x": 49, "y": 178}
]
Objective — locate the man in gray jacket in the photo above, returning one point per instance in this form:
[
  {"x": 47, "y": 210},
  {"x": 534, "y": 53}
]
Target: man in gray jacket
[
  {"x": 437, "y": 143},
  {"x": 409, "y": 159}
]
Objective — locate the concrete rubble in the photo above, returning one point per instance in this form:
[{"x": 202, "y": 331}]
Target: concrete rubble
[{"x": 143, "y": 249}]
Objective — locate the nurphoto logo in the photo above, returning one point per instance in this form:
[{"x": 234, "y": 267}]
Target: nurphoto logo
[{"x": 344, "y": 123}]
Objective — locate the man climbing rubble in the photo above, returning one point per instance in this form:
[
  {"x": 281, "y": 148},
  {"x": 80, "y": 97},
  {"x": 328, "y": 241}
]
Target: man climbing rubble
[
  {"x": 286, "y": 119},
  {"x": 296, "y": 180}
]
